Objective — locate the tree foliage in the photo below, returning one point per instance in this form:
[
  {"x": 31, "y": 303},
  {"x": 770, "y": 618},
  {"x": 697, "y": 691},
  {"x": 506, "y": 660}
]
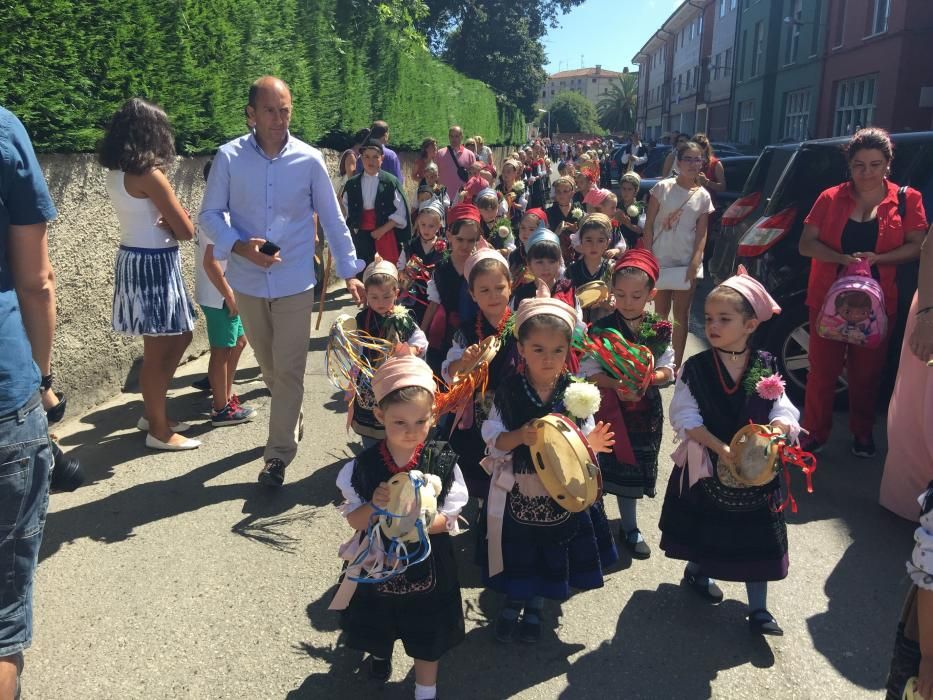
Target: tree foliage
[
  {"x": 496, "y": 41},
  {"x": 617, "y": 109},
  {"x": 69, "y": 64},
  {"x": 572, "y": 112}
]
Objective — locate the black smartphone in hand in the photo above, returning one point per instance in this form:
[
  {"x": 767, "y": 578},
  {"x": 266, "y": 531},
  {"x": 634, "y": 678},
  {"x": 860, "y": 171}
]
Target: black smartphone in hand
[{"x": 269, "y": 248}]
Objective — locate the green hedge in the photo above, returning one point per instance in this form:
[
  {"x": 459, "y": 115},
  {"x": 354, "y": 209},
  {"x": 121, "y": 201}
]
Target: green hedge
[{"x": 66, "y": 65}]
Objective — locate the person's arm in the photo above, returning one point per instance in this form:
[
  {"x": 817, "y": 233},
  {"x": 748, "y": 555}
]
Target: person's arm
[
  {"x": 397, "y": 219},
  {"x": 925, "y": 624},
  {"x": 668, "y": 164},
  {"x": 155, "y": 185},
  {"x": 216, "y": 275},
  {"x": 642, "y": 159},
  {"x": 650, "y": 217},
  {"x": 214, "y": 219},
  {"x": 921, "y": 340},
  {"x": 34, "y": 282},
  {"x": 699, "y": 243},
  {"x": 395, "y": 167},
  {"x": 719, "y": 183},
  {"x": 907, "y": 252},
  {"x": 811, "y": 246}
]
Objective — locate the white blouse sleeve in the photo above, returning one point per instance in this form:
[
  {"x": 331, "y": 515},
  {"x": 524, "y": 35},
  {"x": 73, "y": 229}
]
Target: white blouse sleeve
[
  {"x": 684, "y": 410},
  {"x": 455, "y": 353},
  {"x": 418, "y": 340},
  {"x": 784, "y": 411},
  {"x": 433, "y": 294},
  {"x": 588, "y": 426},
  {"x": 666, "y": 359},
  {"x": 400, "y": 215},
  {"x": 456, "y": 498},
  {"x": 920, "y": 566},
  {"x": 352, "y": 499},
  {"x": 492, "y": 428}
]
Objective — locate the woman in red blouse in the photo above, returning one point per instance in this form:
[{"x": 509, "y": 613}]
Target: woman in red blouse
[{"x": 858, "y": 219}]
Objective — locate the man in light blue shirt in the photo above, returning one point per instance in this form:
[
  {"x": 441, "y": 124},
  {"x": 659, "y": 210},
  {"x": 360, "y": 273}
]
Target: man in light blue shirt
[{"x": 270, "y": 184}]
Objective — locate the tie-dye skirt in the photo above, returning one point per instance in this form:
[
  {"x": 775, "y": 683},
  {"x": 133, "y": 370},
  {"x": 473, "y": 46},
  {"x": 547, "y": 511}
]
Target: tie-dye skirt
[{"x": 149, "y": 296}]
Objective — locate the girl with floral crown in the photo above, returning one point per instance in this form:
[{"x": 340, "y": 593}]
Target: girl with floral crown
[
  {"x": 724, "y": 530},
  {"x": 536, "y": 549}
]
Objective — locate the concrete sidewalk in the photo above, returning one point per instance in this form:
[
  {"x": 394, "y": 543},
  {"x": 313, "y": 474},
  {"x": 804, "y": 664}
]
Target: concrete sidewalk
[{"x": 174, "y": 575}]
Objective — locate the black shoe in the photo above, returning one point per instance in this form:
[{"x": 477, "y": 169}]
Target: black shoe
[
  {"x": 505, "y": 628},
  {"x": 636, "y": 545},
  {"x": 709, "y": 591},
  {"x": 273, "y": 474},
  {"x": 203, "y": 384},
  {"x": 380, "y": 669},
  {"x": 529, "y": 630},
  {"x": 763, "y": 622},
  {"x": 864, "y": 448}
]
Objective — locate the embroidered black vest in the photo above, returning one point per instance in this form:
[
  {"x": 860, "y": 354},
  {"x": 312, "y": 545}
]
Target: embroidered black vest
[
  {"x": 370, "y": 470},
  {"x": 384, "y": 204}
]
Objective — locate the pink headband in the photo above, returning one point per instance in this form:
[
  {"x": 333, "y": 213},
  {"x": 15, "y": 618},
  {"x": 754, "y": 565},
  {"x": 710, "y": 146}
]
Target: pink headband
[
  {"x": 754, "y": 293},
  {"x": 483, "y": 252},
  {"x": 380, "y": 267},
  {"x": 542, "y": 303},
  {"x": 400, "y": 371},
  {"x": 595, "y": 196}
]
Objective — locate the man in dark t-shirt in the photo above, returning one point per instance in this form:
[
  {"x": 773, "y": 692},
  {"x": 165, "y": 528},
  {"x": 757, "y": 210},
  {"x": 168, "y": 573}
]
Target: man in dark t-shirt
[{"x": 27, "y": 321}]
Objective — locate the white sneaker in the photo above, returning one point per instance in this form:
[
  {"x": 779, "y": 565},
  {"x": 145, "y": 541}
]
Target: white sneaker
[
  {"x": 143, "y": 424},
  {"x": 156, "y": 444}
]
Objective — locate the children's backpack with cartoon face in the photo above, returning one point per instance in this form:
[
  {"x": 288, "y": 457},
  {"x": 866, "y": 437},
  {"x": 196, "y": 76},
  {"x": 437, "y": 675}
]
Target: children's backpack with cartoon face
[{"x": 853, "y": 310}]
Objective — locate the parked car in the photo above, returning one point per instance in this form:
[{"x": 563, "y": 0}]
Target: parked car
[
  {"x": 655, "y": 161},
  {"x": 769, "y": 248},
  {"x": 746, "y": 209}
]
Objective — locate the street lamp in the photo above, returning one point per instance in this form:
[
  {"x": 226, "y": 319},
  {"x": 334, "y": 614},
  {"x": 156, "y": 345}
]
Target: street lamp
[{"x": 548, "y": 112}]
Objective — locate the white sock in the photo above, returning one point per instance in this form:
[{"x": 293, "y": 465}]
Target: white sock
[{"x": 425, "y": 692}]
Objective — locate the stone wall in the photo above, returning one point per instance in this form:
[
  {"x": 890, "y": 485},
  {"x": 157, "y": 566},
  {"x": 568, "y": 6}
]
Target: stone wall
[{"x": 90, "y": 361}]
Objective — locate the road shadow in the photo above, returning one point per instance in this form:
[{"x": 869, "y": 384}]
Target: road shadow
[{"x": 668, "y": 644}]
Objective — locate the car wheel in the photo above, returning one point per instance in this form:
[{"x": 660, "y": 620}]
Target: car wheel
[{"x": 789, "y": 342}]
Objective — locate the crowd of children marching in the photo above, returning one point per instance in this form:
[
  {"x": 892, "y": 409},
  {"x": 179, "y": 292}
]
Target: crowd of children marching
[{"x": 505, "y": 257}]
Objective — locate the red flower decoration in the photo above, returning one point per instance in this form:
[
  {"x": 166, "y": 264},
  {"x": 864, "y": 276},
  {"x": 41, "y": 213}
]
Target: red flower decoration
[{"x": 440, "y": 245}]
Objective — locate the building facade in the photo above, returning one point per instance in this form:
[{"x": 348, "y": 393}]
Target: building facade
[
  {"x": 878, "y": 66},
  {"x": 686, "y": 29},
  {"x": 593, "y": 83},
  {"x": 652, "y": 114},
  {"x": 718, "y": 56}
]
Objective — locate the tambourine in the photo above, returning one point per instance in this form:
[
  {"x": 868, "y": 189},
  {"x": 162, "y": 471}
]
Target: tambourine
[
  {"x": 592, "y": 293},
  {"x": 487, "y": 351},
  {"x": 755, "y": 450},
  {"x": 412, "y": 499},
  {"x": 467, "y": 382},
  {"x": 565, "y": 463},
  {"x": 351, "y": 351},
  {"x": 759, "y": 454}
]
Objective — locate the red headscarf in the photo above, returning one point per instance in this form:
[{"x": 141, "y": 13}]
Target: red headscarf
[
  {"x": 640, "y": 259},
  {"x": 463, "y": 212}
]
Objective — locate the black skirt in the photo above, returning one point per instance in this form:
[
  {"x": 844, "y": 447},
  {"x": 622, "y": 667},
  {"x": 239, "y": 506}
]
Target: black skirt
[{"x": 421, "y": 607}]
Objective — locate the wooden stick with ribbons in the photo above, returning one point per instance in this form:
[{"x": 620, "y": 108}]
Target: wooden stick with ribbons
[{"x": 324, "y": 283}]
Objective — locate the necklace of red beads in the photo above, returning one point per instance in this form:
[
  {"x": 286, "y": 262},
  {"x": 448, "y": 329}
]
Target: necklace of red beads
[
  {"x": 499, "y": 328},
  {"x": 389, "y": 461}
]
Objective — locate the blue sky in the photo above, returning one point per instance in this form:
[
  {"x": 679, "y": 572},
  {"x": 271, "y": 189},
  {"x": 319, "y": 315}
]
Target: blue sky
[{"x": 607, "y": 32}]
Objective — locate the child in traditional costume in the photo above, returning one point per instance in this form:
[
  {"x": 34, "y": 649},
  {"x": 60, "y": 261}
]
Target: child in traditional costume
[
  {"x": 490, "y": 284},
  {"x": 496, "y": 230},
  {"x": 381, "y": 318},
  {"x": 535, "y": 548},
  {"x": 448, "y": 299},
  {"x": 420, "y": 605},
  {"x": 512, "y": 190},
  {"x": 420, "y": 256},
  {"x": 592, "y": 265},
  {"x": 563, "y": 216},
  {"x": 531, "y": 221},
  {"x": 377, "y": 212},
  {"x": 542, "y": 252},
  {"x": 726, "y": 532},
  {"x": 630, "y": 471}
]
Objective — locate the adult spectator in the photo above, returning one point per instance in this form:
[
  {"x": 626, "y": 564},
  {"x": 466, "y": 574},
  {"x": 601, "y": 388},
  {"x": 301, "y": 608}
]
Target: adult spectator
[
  {"x": 675, "y": 231},
  {"x": 908, "y": 467},
  {"x": 425, "y": 157},
  {"x": 27, "y": 323},
  {"x": 483, "y": 152},
  {"x": 670, "y": 161},
  {"x": 263, "y": 181},
  {"x": 633, "y": 156},
  {"x": 454, "y": 161},
  {"x": 149, "y": 298},
  {"x": 857, "y": 220},
  {"x": 379, "y": 131},
  {"x": 713, "y": 175}
]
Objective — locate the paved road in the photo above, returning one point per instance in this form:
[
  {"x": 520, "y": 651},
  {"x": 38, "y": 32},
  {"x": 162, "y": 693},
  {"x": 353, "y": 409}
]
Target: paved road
[{"x": 176, "y": 576}]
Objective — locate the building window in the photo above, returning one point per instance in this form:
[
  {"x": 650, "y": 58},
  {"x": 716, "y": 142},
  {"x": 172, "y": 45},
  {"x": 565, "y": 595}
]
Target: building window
[
  {"x": 732, "y": 5},
  {"x": 700, "y": 25},
  {"x": 855, "y": 104},
  {"x": 680, "y": 83},
  {"x": 793, "y": 37},
  {"x": 722, "y": 8},
  {"x": 746, "y": 121},
  {"x": 758, "y": 49},
  {"x": 840, "y": 25},
  {"x": 879, "y": 16},
  {"x": 594, "y": 80},
  {"x": 796, "y": 115},
  {"x": 743, "y": 49},
  {"x": 815, "y": 37},
  {"x": 727, "y": 63}
]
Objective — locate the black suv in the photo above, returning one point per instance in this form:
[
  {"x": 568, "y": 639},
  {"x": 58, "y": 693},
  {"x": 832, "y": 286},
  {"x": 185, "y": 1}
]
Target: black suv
[{"x": 769, "y": 248}]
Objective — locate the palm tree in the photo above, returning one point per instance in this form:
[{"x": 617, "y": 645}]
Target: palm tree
[{"x": 617, "y": 109}]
